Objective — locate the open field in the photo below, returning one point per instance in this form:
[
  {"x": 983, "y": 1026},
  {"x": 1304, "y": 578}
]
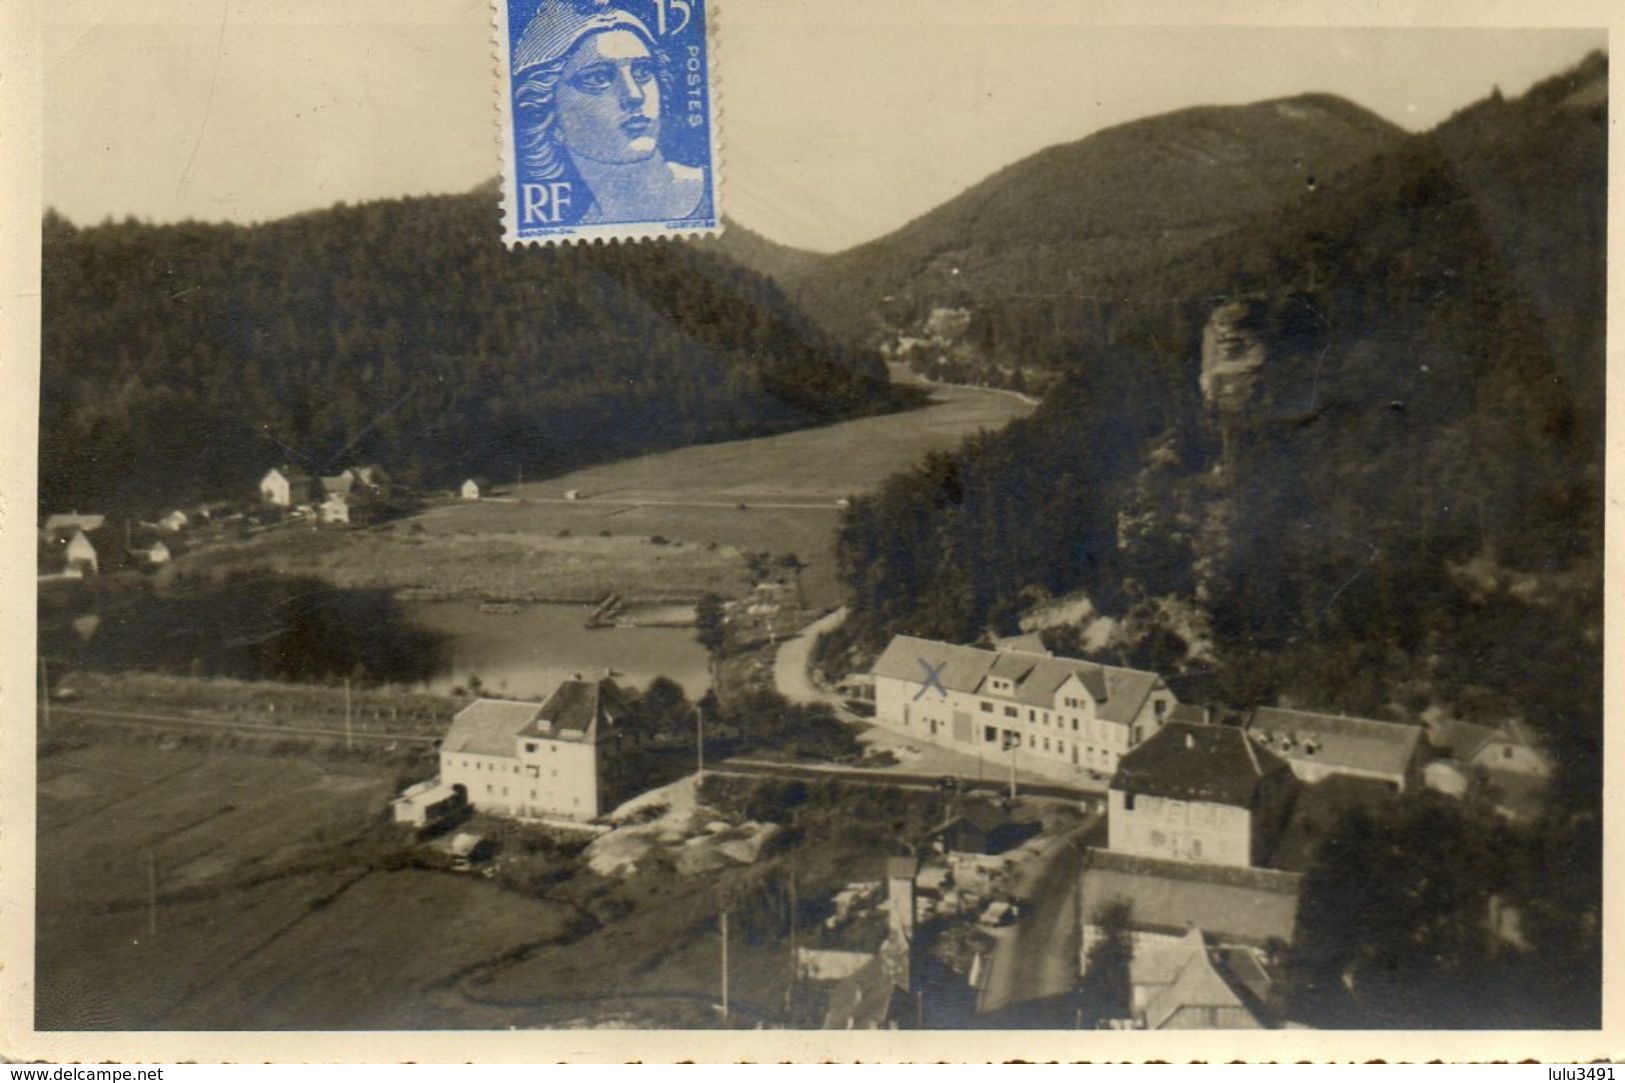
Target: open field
[
  {"x": 272, "y": 907},
  {"x": 533, "y": 543}
]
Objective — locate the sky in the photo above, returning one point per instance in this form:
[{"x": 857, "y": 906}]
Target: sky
[{"x": 841, "y": 120}]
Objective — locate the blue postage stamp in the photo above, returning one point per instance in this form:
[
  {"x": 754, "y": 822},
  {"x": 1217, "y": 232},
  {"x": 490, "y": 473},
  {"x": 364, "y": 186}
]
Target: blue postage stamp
[{"x": 608, "y": 119}]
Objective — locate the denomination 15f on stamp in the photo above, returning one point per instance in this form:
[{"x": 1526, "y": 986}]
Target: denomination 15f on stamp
[{"x": 608, "y": 119}]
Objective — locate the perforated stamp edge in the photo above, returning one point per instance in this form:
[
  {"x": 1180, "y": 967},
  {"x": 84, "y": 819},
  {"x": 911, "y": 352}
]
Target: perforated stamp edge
[{"x": 611, "y": 233}]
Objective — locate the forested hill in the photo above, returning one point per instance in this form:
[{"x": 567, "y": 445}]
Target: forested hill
[
  {"x": 1050, "y": 242},
  {"x": 1351, "y": 460},
  {"x": 180, "y": 361}
]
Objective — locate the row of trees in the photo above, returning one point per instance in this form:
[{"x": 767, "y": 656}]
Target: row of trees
[{"x": 179, "y": 360}]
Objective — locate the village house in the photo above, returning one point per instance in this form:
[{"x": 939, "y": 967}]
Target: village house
[
  {"x": 1188, "y": 984},
  {"x": 286, "y": 487},
  {"x": 335, "y": 510},
  {"x": 879, "y": 992},
  {"x": 1318, "y": 745},
  {"x": 557, "y": 758},
  {"x": 981, "y": 830},
  {"x": 174, "y": 521},
  {"x": 1504, "y": 761},
  {"x": 1062, "y": 717},
  {"x": 1202, "y": 793},
  {"x": 474, "y": 488},
  {"x": 154, "y": 554},
  {"x": 80, "y": 555}
]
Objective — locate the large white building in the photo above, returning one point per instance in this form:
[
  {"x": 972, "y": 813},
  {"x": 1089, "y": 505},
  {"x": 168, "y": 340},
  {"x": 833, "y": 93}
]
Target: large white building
[
  {"x": 538, "y": 760},
  {"x": 1062, "y": 717},
  {"x": 1318, "y": 745}
]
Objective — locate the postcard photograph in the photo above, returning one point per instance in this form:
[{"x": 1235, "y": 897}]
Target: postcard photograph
[{"x": 592, "y": 514}]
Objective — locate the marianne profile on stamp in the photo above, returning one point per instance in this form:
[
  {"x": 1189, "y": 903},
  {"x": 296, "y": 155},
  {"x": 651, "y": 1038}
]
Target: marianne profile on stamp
[{"x": 609, "y": 127}]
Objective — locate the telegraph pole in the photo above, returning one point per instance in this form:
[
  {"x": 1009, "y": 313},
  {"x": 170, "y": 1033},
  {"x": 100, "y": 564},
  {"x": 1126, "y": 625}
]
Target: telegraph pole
[
  {"x": 699, "y": 743},
  {"x": 795, "y": 954},
  {"x": 725, "y": 964},
  {"x": 1015, "y": 748},
  {"x": 349, "y": 740}
]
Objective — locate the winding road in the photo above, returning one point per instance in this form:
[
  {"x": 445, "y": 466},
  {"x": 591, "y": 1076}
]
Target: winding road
[{"x": 1034, "y": 965}]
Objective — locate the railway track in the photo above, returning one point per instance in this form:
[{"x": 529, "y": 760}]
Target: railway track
[{"x": 151, "y": 720}]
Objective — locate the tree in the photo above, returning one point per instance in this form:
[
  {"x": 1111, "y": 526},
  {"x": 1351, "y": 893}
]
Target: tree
[
  {"x": 710, "y": 625},
  {"x": 1105, "y": 992}
]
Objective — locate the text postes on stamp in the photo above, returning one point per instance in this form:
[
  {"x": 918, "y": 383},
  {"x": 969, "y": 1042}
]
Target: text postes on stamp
[{"x": 608, "y": 119}]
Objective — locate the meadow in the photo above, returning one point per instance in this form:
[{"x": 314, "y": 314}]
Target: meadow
[{"x": 675, "y": 524}]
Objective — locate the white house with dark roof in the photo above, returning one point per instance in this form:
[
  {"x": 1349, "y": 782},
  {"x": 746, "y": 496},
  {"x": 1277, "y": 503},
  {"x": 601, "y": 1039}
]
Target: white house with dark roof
[
  {"x": 1199, "y": 793},
  {"x": 538, "y": 760},
  {"x": 1318, "y": 745},
  {"x": 1065, "y": 717},
  {"x": 286, "y": 487}
]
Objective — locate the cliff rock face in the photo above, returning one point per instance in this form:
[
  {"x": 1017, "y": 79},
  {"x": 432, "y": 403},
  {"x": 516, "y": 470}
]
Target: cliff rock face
[{"x": 1232, "y": 353}]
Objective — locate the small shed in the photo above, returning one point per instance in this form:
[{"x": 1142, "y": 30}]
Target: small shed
[
  {"x": 983, "y": 830},
  {"x": 176, "y": 520},
  {"x": 425, "y": 803},
  {"x": 473, "y": 488}
]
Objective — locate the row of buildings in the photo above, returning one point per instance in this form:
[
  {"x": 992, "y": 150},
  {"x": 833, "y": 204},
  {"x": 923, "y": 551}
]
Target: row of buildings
[
  {"x": 345, "y": 497},
  {"x": 1195, "y": 811},
  {"x": 1074, "y": 720}
]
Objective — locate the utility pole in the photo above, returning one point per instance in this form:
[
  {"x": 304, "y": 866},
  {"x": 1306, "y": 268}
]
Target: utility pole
[
  {"x": 1015, "y": 748},
  {"x": 699, "y": 742},
  {"x": 725, "y": 964},
  {"x": 349, "y": 740},
  {"x": 795, "y": 952},
  {"x": 44, "y": 694}
]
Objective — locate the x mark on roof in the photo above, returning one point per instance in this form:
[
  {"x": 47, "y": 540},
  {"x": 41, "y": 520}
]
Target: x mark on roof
[{"x": 933, "y": 676}]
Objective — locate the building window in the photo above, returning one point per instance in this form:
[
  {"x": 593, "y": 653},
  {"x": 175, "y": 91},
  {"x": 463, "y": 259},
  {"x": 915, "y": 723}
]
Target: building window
[
  {"x": 1032, "y": 740},
  {"x": 530, "y": 746},
  {"x": 1162, "y": 708},
  {"x": 1011, "y": 712},
  {"x": 987, "y": 708},
  {"x": 1032, "y": 716},
  {"x": 1128, "y": 802},
  {"x": 1074, "y": 725},
  {"x": 1060, "y": 746},
  {"x": 1046, "y": 744},
  {"x": 990, "y": 733}
]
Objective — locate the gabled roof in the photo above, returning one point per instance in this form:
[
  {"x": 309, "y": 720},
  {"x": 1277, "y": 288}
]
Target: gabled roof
[
  {"x": 1233, "y": 902},
  {"x": 73, "y": 521},
  {"x": 338, "y": 484},
  {"x": 1193, "y": 762},
  {"x": 1362, "y": 744},
  {"x": 287, "y": 472},
  {"x": 867, "y": 999},
  {"x": 487, "y": 727},
  {"x": 1031, "y": 643},
  {"x": 574, "y": 710},
  {"x": 908, "y": 658},
  {"x": 1199, "y": 984},
  {"x": 1118, "y": 693}
]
